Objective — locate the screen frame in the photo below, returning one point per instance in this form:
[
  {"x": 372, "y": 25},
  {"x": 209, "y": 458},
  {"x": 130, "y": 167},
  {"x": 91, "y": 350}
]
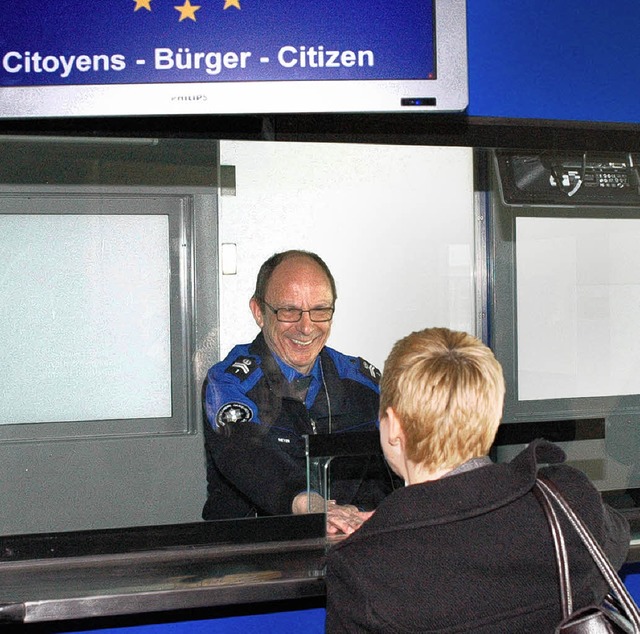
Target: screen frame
[{"x": 448, "y": 92}]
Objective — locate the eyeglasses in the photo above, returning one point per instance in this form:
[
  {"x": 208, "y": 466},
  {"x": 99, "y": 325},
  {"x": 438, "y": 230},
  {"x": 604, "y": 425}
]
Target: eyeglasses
[{"x": 292, "y": 315}]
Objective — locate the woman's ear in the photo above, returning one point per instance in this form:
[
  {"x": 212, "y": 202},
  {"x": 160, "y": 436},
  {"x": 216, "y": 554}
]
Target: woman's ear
[
  {"x": 396, "y": 433},
  {"x": 393, "y": 442}
]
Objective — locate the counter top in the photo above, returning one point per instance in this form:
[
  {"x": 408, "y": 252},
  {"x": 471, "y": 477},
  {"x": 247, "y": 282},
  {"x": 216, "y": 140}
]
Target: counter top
[
  {"x": 86, "y": 587},
  {"x": 109, "y": 573}
]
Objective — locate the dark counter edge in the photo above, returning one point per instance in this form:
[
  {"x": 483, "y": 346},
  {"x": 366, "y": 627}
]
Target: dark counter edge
[
  {"x": 136, "y": 539},
  {"x": 72, "y": 613}
]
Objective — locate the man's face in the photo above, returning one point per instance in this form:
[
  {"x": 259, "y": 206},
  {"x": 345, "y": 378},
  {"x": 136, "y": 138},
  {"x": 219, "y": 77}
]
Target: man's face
[{"x": 298, "y": 282}]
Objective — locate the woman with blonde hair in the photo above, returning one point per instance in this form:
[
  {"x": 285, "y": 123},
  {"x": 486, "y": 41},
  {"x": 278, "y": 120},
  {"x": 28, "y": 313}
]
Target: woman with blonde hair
[{"x": 464, "y": 546}]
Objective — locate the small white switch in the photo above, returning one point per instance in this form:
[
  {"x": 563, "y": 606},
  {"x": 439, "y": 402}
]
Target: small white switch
[{"x": 229, "y": 258}]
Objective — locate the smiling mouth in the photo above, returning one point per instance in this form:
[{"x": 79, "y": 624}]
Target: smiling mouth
[{"x": 302, "y": 343}]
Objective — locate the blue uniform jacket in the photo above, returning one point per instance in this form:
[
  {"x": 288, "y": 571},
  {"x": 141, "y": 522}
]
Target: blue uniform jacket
[{"x": 257, "y": 418}]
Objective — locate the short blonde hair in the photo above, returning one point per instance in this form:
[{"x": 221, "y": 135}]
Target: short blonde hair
[{"x": 447, "y": 389}]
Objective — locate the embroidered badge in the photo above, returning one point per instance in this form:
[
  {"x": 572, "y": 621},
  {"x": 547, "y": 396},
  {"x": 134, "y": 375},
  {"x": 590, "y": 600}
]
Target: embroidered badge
[
  {"x": 231, "y": 413},
  {"x": 369, "y": 370},
  {"x": 242, "y": 367}
]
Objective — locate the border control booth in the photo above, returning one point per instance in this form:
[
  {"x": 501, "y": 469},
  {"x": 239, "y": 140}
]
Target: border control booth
[{"x": 450, "y": 172}]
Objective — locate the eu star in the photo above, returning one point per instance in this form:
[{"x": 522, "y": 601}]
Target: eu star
[
  {"x": 142, "y": 4},
  {"x": 231, "y": 3},
  {"x": 187, "y": 11}
]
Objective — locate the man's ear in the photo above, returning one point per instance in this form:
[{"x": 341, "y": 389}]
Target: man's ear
[
  {"x": 396, "y": 433},
  {"x": 256, "y": 311}
]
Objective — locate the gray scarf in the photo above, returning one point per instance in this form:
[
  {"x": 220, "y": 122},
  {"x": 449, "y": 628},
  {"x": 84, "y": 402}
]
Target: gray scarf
[{"x": 470, "y": 465}]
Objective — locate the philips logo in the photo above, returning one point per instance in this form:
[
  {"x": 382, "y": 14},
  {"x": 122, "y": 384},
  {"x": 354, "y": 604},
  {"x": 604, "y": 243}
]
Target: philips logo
[{"x": 189, "y": 98}]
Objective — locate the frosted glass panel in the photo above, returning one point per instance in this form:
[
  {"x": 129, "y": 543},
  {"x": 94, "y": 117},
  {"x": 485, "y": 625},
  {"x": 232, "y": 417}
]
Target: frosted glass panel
[
  {"x": 578, "y": 301},
  {"x": 84, "y": 317}
]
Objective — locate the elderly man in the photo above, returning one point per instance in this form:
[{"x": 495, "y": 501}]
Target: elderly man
[{"x": 265, "y": 396}]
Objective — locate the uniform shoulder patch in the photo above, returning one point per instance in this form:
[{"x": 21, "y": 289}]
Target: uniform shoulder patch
[
  {"x": 369, "y": 370},
  {"x": 231, "y": 413},
  {"x": 243, "y": 367}
]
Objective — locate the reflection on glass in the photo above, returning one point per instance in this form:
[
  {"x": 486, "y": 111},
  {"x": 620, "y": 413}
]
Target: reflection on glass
[{"x": 147, "y": 304}]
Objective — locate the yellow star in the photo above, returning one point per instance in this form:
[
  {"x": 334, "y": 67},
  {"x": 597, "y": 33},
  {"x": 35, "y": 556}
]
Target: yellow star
[
  {"x": 187, "y": 11},
  {"x": 142, "y": 4},
  {"x": 231, "y": 3}
]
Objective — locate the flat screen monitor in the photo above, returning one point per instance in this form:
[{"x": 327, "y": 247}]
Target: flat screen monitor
[{"x": 175, "y": 57}]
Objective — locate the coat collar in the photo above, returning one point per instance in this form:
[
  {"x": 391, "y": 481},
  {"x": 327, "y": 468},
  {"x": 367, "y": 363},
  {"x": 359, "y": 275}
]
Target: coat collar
[
  {"x": 462, "y": 495},
  {"x": 469, "y": 465}
]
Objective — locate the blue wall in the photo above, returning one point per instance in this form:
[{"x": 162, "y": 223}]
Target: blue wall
[
  {"x": 554, "y": 59},
  {"x": 303, "y": 621},
  {"x": 540, "y": 59}
]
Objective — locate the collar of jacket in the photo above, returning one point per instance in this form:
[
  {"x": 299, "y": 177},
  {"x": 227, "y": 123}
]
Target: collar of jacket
[
  {"x": 463, "y": 495},
  {"x": 469, "y": 465}
]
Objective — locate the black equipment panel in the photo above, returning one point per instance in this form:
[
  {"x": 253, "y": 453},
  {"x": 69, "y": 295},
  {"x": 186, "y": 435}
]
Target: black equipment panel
[{"x": 546, "y": 178}]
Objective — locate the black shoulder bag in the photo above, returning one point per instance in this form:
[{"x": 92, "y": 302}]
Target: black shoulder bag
[{"x": 618, "y": 613}]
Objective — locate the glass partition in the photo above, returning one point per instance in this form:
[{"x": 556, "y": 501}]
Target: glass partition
[
  {"x": 330, "y": 456},
  {"x": 532, "y": 251},
  {"x": 115, "y": 259}
]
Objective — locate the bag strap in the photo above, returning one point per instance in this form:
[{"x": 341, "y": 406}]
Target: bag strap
[
  {"x": 562, "y": 559},
  {"x": 630, "y": 609}
]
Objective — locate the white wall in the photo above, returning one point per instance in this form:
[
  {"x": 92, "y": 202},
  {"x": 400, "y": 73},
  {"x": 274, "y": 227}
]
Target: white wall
[{"x": 395, "y": 225}]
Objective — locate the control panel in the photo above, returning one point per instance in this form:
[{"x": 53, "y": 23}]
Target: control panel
[{"x": 569, "y": 179}]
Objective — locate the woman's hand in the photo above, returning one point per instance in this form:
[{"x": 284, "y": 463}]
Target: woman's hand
[
  {"x": 345, "y": 518},
  {"x": 341, "y": 518}
]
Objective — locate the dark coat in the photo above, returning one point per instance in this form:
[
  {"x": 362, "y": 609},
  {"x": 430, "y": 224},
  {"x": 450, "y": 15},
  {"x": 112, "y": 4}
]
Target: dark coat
[{"x": 470, "y": 553}]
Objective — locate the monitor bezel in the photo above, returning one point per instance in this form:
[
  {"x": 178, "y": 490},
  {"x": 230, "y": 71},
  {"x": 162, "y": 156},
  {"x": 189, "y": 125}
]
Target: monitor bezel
[{"x": 447, "y": 92}]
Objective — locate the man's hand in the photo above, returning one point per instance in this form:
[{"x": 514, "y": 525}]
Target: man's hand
[{"x": 341, "y": 518}]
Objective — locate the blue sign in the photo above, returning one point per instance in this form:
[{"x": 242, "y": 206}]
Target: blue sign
[{"x": 103, "y": 42}]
